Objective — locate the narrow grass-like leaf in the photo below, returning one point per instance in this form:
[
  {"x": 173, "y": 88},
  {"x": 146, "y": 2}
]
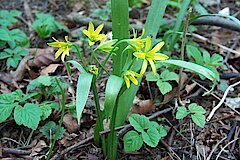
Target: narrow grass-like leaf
[
  {"x": 75, "y": 64},
  {"x": 193, "y": 67},
  {"x": 120, "y": 30},
  {"x": 83, "y": 88},
  {"x": 113, "y": 87},
  {"x": 177, "y": 26}
]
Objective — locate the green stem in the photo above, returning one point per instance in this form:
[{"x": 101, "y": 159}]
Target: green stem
[
  {"x": 61, "y": 119},
  {"x": 81, "y": 57},
  {"x": 94, "y": 55}
]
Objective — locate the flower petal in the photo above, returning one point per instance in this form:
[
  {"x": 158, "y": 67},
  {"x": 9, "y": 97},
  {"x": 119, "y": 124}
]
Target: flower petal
[
  {"x": 66, "y": 38},
  {"x": 133, "y": 79},
  {"x": 99, "y": 28},
  {"x": 87, "y": 33},
  {"x": 148, "y": 44},
  {"x": 100, "y": 37},
  {"x": 160, "y": 57},
  {"x": 63, "y": 57},
  {"x": 91, "y": 27},
  {"x": 58, "y": 53},
  {"x": 127, "y": 81},
  {"x": 157, "y": 47},
  {"x": 91, "y": 43},
  {"x": 144, "y": 66},
  {"x": 153, "y": 66},
  {"x": 140, "y": 55}
]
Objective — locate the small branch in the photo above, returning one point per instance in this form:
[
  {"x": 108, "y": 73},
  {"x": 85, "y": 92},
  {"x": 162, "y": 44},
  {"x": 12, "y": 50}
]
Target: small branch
[{"x": 15, "y": 151}]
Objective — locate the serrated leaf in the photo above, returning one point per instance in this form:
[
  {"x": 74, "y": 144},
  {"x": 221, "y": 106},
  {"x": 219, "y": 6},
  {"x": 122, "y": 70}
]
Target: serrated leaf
[
  {"x": 151, "y": 137},
  {"x": 45, "y": 80},
  {"x": 169, "y": 76},
  {"x": 181, "y": 112},
  {"x": 162, "y": 132},
  {"x": 193, "y": 67},
  {"x": 152, "y": 77},
  {"x": 139, "y": 122},
  {"x": 199, "y": 119},
  {"x": 83, "y": 89},
  {"x": 29, "y": 115},
  {"x": 164, "y": 87},
  {"x": 6, "y": 110},
  {"x": 195, "y": 53},
  {"x": 5, "y": 36},
  {"x": 7, "y": 98},
  {"x": 194, "y": 108},
  {"x": 132, "y": 141},
  {"x": 49, "y": 130},
  {"x": 113, "y": 87},
  {"x": 46, "y": 111}
]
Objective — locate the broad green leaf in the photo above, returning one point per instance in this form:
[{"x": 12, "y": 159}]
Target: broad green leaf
[
  {"x": 216, "y": 60},
  {"x": 181, "y": 112},
  {"x": 29, "y": 115},
  {"x": 83, "y": 89},
  {"x": 195, "y": 53},
  {"x": 46, "y": 111},
  {"x": 152, "y": 77},
  {"x": 199, "y": 8},
  {"x": 151, "y": 137},
  {"x": 139, "y": 122},
  {"x": 7, "y": 98},
  {"x": 5, "y": 36},
  {"x": 49, "y": 130},
  {"x": 113, "y": 87},
  {"x": 169, "y": 76},
  {"x": 206, "y": 56},
  {"x": 194, "y": 108},
  {"x": 164, "y": 87},
  {"x": 75, "y": 64},
  {"x": 162, "y": 132},
  {"x": 193, "y": 67},
  {"x": 6, "y": 110},
  {"x": 45, "y": 80},
  {"x": 199, "y": 119},
  {"x": 29, "y": 95},
  {"x": 132, "y": 141}
]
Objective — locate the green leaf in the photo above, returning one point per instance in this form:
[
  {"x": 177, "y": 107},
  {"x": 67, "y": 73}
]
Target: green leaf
[
  {"x": 193, "y": 67},
  {"x": 29, "y": 115},
  {"x": 132, "y": 141},
  {"x": 5, "y": 36},
  {"x": 50, "y": 129},
  {"x": 113, "y": 87},
  {"x": 75, "y": 64},
  {"x": 151, "y": 137},
  {"x": 6, "y": 110},
  {"x": 206, "y": 56},
  {"x": 83, "y": 89},
  {"x": 152, "y": 77},
  {"x": 169, "y": 76},
  {"x": 162, "y": 132},
  {"x": 45, "y": 80},
  {"x": 164, "y": 87},
  {"x": 7, "y": 98},
  {"x": 139, "y": 122},
  {"x": 216, "y": 60},
  {"x": 199, "y": 119},
  {"x": 181, "y": 112},
  {"x": 195, "y": 53},
  {"x": 46, "y": 110},
  {"x": 194, "y": 108}
]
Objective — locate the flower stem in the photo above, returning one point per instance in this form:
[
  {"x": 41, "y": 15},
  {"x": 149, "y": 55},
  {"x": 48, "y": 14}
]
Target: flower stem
[
  {"x": 81, "y": 57},
  {"x": 61, "y": 119}
]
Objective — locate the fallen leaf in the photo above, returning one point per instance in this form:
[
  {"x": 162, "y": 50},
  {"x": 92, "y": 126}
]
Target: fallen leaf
[
  {"x": 169, "y": 96},
  {"x": 70, "y": 123},
  {"x": 143, "y": 107},
  {"x": 190, "y": 87},
  {"x": 49, "y": 69},
  {"x": 40, "y": 145}
]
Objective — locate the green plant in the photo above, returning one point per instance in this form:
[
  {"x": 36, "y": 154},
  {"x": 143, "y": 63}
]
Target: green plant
[
  {"x": 13, "y": 56},
  {"x": 50, "y": 129},
  {"x": 195, "y": 111},
  {"x": 162, "y": 80},
  {"x": 150, "y": 133},
  {"x": 102, "y": 13},
  {"x": 45, "y": 25},
  {"x": 8, "y": 17},
  {"x": 136, "y": 3}
]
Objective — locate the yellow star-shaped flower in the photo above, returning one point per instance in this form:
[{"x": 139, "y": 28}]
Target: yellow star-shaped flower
[
  {"x": 150, "y": 55},
  {"x": 137, "y": 43},
  {"x": 64, "y": 48},
  {"x": 129, "y": 76},
  {"x": 93, "y": 35},
  {"x": 107, "y": 46}
]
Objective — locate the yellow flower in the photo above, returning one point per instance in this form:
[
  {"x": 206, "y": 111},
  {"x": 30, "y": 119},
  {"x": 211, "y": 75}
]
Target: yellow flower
[
  {"x": 136, "y": 43},
  {"x": 63, "y": 48},
  {"x": 129, "y": 76},
  {"x": 107, "y": 46},
  {"x": 150, "y": 55},
  {"x": 94, "y": 36},
  {"x": 93, "y": 69}
]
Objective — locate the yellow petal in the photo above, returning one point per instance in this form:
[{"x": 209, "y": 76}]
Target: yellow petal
[
  {"x": 143, "y": 32},
  {"x": 87, "y": 33},
  {"x": 58, "y": 53},
  {"x": 157, "y": 47},
  {"x": 137, "y": 75},
  {"x": 100, "y": 37},
  {"x": 148, "y": 44},
  {"x": 140, "y": 55},
  {"x": 127, "y": 81},
  {"x": 134, "y": 33},
  {"x": 91, "y": 43},
  {"x": 144, "y": 66},
  {"x": 153, "y": 66},
  {"x": 63, "y": 57},
  {"x": 91, "y": 27},
  {"x": 160, "y": 57},
  {"x": 66, "y": 38},
  {"x": 99, "y": 28},
  {"x": 133, "y": 79}
]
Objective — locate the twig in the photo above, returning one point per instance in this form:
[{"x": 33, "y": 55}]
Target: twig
[
  {"x": 226, "y": 147},
  {"x": 169, "y": 149},
  {"x": 222, "y": 100},
  {"x": 215, "y": 147},
  {"x": 228, "y": 53},
  {"x": 182, "y": 53},
  {"x": 15, "y": 151}
]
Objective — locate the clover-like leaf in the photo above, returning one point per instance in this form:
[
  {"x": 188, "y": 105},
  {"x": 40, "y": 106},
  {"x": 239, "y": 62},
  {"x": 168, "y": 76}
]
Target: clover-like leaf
[
  {"x": 139, "y": 122},
  {"x": 169, "y": 76},
  {"x": 49, "y": 130},
  {"x": 164, "y": 87},
  {"x": 132, "y": 141},
  {"x": 181, "y": 112},
  {"x": 199, "y": 119},
  {"x": 152, "y": 77},
  {"x": 151, "y": 137},
  {"x": 194, "y": 108}
]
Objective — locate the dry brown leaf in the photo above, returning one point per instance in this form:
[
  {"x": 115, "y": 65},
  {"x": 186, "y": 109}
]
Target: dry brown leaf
[
  {"x": 70, "y": 123},
  {"x": 40, "y": 145},
  {"x": 49, "y": 69},
  {"x": 169, "y": 96},
  {"x": 70, "y": 139},
  {"x": 190, "y": 87},
  {"x": 78, "y": 6},
  {"x": 143, "y": 107}
]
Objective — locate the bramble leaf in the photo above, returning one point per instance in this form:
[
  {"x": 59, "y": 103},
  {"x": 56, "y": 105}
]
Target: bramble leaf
[
  {"x": 151, "y": 137},
  {"x": 152, "y": 77},
  {"x": 49, "y": 130},
  {"x": 139, "y": 122},
  {"x": 132, "y": 141},
  {"x": 181, "y": 112},
  {"x": 194, "y": 108},
  {"x": 199, "y": 119},
  {"x": 169, "y": 76},
  {"x": 164, "y": 87}
]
